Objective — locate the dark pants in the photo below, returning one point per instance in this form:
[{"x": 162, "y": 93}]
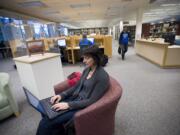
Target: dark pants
[
  {"x": 6, "y": 52},
  {"x": 54, "y": 126},
  {"x": 3, "y": 52},
  {"x": 122, "y": 50}
]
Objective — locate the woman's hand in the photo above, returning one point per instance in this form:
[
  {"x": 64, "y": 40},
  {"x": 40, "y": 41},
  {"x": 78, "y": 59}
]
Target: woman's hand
[
  {"x": 60, "y": 106},
  {"x": 55, "y": 99}
]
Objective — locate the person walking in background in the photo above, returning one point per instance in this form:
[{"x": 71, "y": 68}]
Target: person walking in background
[{"x": 123, "y": 42}]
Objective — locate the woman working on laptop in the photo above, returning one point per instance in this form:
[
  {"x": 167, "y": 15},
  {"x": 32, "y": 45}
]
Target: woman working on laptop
[{"x": 93, "y": 84}]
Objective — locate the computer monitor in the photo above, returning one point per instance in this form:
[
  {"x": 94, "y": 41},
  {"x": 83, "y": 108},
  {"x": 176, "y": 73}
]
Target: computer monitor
[
  {"x": 61, "y": 42},
  {"x": 91, "y": 39},
  {"x": 169, "y": 37}
]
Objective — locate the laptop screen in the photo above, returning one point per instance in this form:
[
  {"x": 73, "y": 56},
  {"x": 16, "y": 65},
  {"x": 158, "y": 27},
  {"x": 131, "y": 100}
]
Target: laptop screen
[{"x": 32, "y": 99}]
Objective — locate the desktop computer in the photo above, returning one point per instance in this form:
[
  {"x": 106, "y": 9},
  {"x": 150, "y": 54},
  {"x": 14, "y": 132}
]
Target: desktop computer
[
  {"x": 61, "y": 42},
  {"x": 91, "y": 39},
  {"x": 169, "y": 37}
]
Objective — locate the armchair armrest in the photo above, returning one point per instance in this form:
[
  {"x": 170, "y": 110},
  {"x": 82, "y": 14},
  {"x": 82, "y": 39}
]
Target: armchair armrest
[
  {"x": 12, "y": 100},
  {"x": 4, "y": 79},
  {"x": 72, "y": 80},
  {"x": 99, "y": 106},
  {"x": 97, "y": 114},
  {"x": 4, "y": 82},
  {"x": 62, "y": 86}
]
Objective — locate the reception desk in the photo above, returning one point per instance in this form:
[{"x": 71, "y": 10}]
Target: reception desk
[
  {"x": 39, "y": 73},
  {"x": 160, "y": 53}
]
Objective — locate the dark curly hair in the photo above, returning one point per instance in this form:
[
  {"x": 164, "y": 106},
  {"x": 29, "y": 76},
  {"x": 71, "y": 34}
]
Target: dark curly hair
[{"x": 93, "y": 52}]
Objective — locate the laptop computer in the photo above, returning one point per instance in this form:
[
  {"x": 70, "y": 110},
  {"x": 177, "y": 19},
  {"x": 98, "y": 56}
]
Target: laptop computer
[{"x": 43, "y": 106}]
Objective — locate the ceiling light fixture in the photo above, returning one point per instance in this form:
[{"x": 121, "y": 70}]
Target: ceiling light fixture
[
  {"x": 84, "y": 5},
  {"x": 167, "y": 5},
  {"x": 65, "y": 18},
  {"x": 157, "y": 9},
  {"x": 52, "y": 12},
  {"x": 152, "y": 1},
  {"x": 32, "y": 4},
  {"x": 126, "y": 0},
  {"x": 148, "y": 13},
  {"x": 151, "y": 15}
]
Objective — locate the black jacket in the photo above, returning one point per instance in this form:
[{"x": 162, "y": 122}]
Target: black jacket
[{"x": 100, "y": 84}]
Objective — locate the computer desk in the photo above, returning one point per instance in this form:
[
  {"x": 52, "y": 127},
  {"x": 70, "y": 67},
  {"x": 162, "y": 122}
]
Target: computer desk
[{"x": 72, "y": 49}]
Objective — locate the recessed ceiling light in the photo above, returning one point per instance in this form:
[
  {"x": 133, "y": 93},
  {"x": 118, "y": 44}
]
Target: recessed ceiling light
[
  {"x": 166, "y": 5},
  {"x": 65, "y": 18},
  {"x": 157, "y": 9},
  {"x": 173, "y": 19},
  {"x": 114, "y": 7},
  {"x": 148, "y": 13},
  {"x": 151, "y": 15},
  {"x": 52, "y": 12},
  {"x": 126, "y": 0},
  {"x": 111, "y": 15},
  {"x": 152, "y": 1},
  {"x": 83, "y": 5},
  {"x": 32, "y": 4}
]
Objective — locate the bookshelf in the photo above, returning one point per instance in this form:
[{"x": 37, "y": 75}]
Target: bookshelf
[
  {"x": 132, "y": 31},
  {"x": 157, "y": 30},
  {"x": 88, "y": 31}
]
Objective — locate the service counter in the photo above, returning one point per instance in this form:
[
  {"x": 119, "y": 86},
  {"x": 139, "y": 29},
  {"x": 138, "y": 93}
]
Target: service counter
[{"x": 158, "y": 52}]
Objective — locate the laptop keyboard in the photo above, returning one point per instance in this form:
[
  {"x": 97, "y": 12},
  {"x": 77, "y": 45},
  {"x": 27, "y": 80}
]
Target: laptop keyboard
[{"x": 50, "y": 112}]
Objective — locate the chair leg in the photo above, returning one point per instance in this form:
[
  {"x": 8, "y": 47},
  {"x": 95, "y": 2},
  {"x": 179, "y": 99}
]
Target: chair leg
[{"x": 17, "y": 114}]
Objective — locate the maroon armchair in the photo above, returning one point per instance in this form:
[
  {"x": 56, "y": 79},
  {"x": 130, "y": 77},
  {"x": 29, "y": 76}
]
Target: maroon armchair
[{"x": 98, "y": 118}]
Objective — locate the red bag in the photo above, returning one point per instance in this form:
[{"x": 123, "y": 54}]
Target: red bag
[{"x": 74, "y": 78}]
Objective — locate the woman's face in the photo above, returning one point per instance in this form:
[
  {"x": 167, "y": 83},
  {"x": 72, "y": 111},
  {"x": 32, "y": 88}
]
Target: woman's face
[{"x": 88, "y": 60}]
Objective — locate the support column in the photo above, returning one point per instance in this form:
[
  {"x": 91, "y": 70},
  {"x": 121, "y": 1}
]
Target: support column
[
  {"x": 121, "y": 26},
  {"x": 28, "y": 31},
  {"x": 114, "y": 27},
  {"x": 109, "y": 30},
  {"x": 139, "y": 17}
]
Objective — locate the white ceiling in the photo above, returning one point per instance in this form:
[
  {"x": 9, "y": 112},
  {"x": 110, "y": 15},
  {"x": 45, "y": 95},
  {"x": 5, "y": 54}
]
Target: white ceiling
[
  {"x": 162, "y": 9},
  {"x": 92, "y": 13}
]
